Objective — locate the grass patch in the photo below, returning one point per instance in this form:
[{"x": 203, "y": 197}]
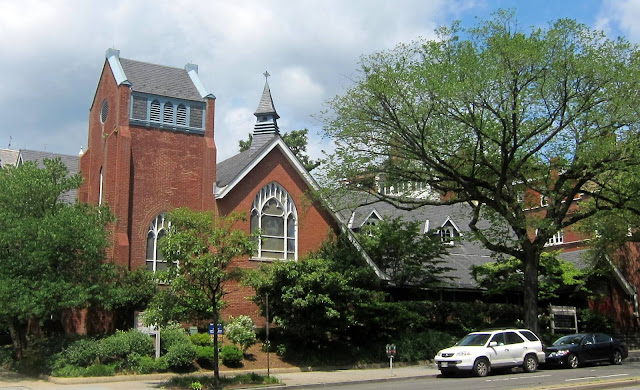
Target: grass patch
[{"x": 206, "y": 382}]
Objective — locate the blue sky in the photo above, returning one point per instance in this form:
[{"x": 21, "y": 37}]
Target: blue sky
[{"x": 53, "y": 53}]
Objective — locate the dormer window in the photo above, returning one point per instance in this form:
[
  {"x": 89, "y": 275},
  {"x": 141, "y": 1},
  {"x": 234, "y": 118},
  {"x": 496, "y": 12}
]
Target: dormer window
[
  {"x": 449, "y": 232},
  {"x": 161, "y": 112}
]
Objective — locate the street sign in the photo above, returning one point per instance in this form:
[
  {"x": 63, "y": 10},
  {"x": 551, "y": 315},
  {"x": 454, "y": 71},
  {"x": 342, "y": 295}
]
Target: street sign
[
  {"x": 391, "y": 350},
  {"x": 219, "y": 328}
]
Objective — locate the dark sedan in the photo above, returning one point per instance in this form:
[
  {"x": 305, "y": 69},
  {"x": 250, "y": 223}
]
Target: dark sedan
[{"x": 582, "y": 348}]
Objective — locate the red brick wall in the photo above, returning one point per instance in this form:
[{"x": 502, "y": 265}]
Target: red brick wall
[
  {"x": 314, "y": 223},
  {"x": 167, "y": 172},
  {"x": 145, "y": 171}
]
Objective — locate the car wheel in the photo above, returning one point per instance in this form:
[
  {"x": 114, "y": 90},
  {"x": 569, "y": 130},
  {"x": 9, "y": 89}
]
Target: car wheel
[
  {"x": 530, "y": 363},
  {"x": 481, "y": 367},
  {"x": 616, "y": 357},
  {"x": 572, "y": 361}
]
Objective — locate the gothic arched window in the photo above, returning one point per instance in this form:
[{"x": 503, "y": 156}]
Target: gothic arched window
[
  {"x": 274, "y": 214},
  {"x": 157, "y": 231}
]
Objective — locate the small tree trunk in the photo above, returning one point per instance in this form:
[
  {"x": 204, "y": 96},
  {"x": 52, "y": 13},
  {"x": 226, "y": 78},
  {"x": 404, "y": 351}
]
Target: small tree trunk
[
  {"x": 216, "y": 365},
  {"x": 531, "y": 265},
  {"x": 18, "y": 338}
]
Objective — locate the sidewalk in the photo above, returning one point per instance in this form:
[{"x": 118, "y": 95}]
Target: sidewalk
[{"x": 289, "y": 378}]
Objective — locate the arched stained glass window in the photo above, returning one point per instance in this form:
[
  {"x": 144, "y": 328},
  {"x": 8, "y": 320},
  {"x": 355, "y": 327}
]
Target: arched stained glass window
[
  {"x": 157, "y": 231},
  {"x": 274, "y": 214}
]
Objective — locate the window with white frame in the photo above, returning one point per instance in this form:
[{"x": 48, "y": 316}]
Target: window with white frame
[
  {"x": 447, "y": 234},
  {"x": 156, "y": 233},
  {"x": 274, "y": 215},
  {"x": 557, "y": 238},
  {"x": 544, "y": 201}
]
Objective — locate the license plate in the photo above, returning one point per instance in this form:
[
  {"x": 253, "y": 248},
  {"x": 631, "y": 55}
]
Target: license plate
[{"x": 444, "y": 364}]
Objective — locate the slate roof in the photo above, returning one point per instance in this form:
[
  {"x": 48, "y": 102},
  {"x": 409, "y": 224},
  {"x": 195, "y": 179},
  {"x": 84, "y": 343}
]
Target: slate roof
[
  {"x": 9, "y": 157},
  {"x": 355, "y": 208},
  {"x": 160, "y": 80},
  {"x": 230, "y": 168},
  {"x": 266, "y": 103},
  {"x": 71, "y": 163}
]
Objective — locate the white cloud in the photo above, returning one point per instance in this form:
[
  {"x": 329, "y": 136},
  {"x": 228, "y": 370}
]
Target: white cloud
[
  {"x": 53, "y": 53},
  {"x": 620, "y": 17}
]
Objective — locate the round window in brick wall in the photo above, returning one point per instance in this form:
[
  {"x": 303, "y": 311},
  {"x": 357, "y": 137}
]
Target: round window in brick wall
[{"x": 104, "y": 111}]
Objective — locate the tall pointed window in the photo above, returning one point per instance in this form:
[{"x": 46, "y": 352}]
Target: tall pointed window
[
  {"x": 157, "y": 231},
  {"x": 274, "y": 214}
]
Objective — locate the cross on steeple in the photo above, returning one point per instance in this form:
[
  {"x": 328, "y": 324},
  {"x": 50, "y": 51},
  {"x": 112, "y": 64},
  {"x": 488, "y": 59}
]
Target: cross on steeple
[{"x": 266, "y": 75}]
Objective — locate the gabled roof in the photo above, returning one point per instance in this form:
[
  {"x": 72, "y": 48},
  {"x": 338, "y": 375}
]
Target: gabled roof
[
  {"x": 232, "y": 171},
  {"x": 357, "y": 206},
  {"x": 9, "y": 157},
  {"x": 71, "y": 162},
  {"x": 160, "y": 80}
]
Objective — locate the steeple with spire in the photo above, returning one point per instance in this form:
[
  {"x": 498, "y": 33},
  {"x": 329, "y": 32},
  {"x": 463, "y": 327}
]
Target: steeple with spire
[{"x": 266, "y": 126}]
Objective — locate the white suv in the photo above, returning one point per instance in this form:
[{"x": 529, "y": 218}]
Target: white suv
[{"x": 479, "y": 352}]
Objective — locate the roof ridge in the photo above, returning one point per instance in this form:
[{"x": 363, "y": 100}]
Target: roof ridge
[{"x": 153, "y": 63}]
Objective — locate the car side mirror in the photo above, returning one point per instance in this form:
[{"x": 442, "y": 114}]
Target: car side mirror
[{"x": 493, "y": 343}]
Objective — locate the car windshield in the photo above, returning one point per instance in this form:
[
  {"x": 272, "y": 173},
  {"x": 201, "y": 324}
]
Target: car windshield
[
  {"x": 566, "y": 340},
  {"x": 474, "y": 339}
]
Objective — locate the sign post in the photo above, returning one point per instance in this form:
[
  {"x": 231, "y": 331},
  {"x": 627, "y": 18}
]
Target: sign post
[
  {"x": 152, "y": 330},
  {"x": 391, "y": 353}
]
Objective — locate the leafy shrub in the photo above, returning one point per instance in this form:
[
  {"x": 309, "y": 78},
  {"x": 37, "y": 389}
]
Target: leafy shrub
[
  {"x": 68, "y": 370},
  {"x": 413, "y": 347},
  {"x": 592, "y": 321},
  {"x": 195, "y": 386},
  {"x": 180, "y": 356},
  {"x": 121, "y": 344},
  {"x": 161, "y": 364},
  {"x": 241, "y": 331},
  {"x": 83, "y": 353},
  {"x": 173, "y": 336},
  {"x": 141, "y": 364},
  {"x": 204, "y": 356},
  {"x": 202, "y": 339},
  {"x": 100, "y": 370},
  {"x": 231, "y": 356},
  {"x": 6, "y": 356}
]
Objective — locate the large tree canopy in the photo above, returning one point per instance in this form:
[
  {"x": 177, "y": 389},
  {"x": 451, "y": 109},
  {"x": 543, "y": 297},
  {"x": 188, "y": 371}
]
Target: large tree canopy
[
  {"x": 483, "y": 115},
  {"x": 52, "y": 252}
]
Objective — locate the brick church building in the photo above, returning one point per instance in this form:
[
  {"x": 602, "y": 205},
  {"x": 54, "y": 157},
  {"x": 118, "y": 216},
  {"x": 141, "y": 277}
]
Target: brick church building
[{"x": 151, "y": 149}]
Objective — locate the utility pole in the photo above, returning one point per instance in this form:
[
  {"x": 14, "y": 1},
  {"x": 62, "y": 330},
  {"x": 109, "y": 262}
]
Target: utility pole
[{"x": 268, "y": 343}]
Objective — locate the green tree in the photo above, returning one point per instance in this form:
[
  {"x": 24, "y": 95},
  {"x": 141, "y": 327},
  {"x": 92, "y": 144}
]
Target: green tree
[
  {"x": 409, "y": 257},
  {"x": 241, "y": 331},
  {"x": 203, "y": 246},
  {"x": 297, "y": 141},
  {"x": 485, "y": 114},
  {"x": 504, "y": 276},
  {"x": 52, "y": 252},
  {"x": 315, "y": 300}
]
